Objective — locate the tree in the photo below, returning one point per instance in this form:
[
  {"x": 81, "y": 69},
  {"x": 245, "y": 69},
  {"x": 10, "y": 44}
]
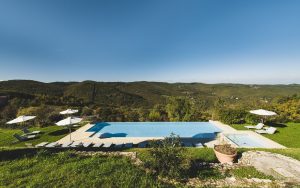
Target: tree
[
  {"x": 232, "y": 116},
  {"x": 8, "y": 112},
  {"x": 179, "y": 109},
  {"x": 86, "y": 111},
  {"x": 158, "y": 113},
  {"x": 131, "y": 115},
  {"x": 43, "y": 114}
]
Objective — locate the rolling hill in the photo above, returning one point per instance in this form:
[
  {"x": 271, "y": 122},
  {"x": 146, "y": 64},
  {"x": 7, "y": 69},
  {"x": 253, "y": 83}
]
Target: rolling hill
[{"x": 145, "y": 94}]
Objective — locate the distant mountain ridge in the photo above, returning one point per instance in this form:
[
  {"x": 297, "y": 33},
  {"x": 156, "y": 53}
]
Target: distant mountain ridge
[{"x": 145, "y": 93}]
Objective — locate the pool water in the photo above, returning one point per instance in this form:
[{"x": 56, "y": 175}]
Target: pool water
[
  {"x": 155, "y": 129},
  {"x": 244, "y": 140}
]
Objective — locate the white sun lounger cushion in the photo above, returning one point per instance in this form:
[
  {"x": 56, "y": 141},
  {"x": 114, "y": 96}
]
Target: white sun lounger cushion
[
  {"x": 87, "y": 144},
  {"x": 35, "y": 132},
  {"x": 107, "y": 145},
  {"x": 270, "y": 130},
  {"x": 258, "y": 126},
  {"x": 66, "y": 144},
  {"x": 42, "y": 144},
  {"x": 97, "y": 145},
  {"x": 76, "y": 144},
  {"x": 199, "y": 145},
  {"x": 52, "y": 145}
]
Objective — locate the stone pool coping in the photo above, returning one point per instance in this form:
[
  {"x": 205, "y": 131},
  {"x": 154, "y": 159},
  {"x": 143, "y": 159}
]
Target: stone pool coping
[{"x": 82, "y": 136}]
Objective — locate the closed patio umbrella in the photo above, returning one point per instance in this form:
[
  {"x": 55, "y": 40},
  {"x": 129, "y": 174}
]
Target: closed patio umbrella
[
  {"x": 262, "y": 112},
  {"x": 69, "y": 111},
  {"x": 69, "y": 122}
]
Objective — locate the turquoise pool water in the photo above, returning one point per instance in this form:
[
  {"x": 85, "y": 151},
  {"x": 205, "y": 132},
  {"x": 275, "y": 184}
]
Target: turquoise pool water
[
  {"x": 155, "y": 129},
  {"x": 244, "y": 140}
]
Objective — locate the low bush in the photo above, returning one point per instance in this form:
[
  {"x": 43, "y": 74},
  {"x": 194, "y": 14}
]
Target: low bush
[
  {"x": 168, "y": 158},
  {"x": 226, "y": 149},
  {"x": 251, "y": 119},
  {"x": 230, "y": 116}
]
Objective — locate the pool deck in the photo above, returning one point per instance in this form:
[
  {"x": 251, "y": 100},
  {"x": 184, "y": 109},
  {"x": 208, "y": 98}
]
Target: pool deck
[{"x": 83, "y": 136}]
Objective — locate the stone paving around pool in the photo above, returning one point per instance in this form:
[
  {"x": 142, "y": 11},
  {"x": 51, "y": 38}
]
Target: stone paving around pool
[
  {"x": 279, "y": 166},
  {"x": 82, "y": 135}
]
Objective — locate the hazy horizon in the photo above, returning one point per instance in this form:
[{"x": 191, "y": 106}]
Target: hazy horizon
[
  {"x": 246, "y": 42},
  {"x": 149, "y": 82}
]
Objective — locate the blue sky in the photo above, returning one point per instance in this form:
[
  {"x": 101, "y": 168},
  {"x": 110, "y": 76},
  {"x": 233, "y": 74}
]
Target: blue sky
[{"x": 211, "y": 41}]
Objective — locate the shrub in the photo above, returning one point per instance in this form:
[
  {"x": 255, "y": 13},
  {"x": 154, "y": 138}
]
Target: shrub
[
  {"x": 251, "y": 119},
  {"x": 168, "y": 157},
  {"x": 42, "y": 113},
  {"x": 179, "y": 109},
  {"x": 231, "y": 116},
  {"x": 154, "y": 115},
  {"x": 86, "y": 111},
  {"x": 226, "y": 149},
  {"x": 55, "y": 117}
]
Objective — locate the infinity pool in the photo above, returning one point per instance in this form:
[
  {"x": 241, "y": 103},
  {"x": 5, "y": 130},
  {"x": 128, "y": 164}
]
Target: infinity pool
[{"x": 155, "y": 129}]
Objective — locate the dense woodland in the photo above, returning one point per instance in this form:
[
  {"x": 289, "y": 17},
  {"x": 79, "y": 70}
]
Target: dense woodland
[{"x": 147, "y": 101}]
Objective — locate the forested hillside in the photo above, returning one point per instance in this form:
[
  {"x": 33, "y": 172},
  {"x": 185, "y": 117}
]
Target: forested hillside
[{"x": 145, "y": 101}]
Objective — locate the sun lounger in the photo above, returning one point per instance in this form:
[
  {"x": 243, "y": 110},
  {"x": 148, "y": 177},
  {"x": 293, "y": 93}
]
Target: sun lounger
[
  {"x": 119, "y": 145},
  {"x": 53, "y": 145},
  {"x": 128, "y": 145},
  {"x": 24, "y": 137},
  {"x": 42, "y": 144},
  {"x": 188, "y": 144},
  {"x": 30, "y": 136},
  {"x": 97, "y": 145},
  {"x": 66, "y": 144},
  {"x": 199, "y": 145},
  {"x": 258, "y": 126},
  {"x": 76, "y": 144},
  {"x": 142, "y": 144},
  {"x": 87, "y": 144},
  {"x": 270, "y": 130},
  {"x": 107, "y": 145},
  {"x": 28, "y": 132}
]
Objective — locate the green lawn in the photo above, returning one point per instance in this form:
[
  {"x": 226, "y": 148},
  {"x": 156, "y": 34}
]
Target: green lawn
[
  {"x": 67, "y": 169},
  {"x": 207, "y": 154},
  {"x": 41, "y": 168},
  {"x": 49, "y": 134},
  {"x": 287, "y": 134}
]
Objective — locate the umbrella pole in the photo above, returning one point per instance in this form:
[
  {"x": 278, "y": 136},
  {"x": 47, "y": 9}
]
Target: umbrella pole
[{"x": 70, "y": 132}]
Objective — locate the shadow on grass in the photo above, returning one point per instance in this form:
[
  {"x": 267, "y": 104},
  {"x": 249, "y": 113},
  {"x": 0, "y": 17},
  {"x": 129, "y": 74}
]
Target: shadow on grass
[
  {"x": 6, "y": 155},
  {"x": 60, "y": 132},
  {"x": 272, "y": 124}
]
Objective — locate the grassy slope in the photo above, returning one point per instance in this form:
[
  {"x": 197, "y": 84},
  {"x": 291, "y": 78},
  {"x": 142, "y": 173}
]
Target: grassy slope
[
  {"x": 65, "y": 169},
  {"x": 287, "y": 135},
  {"x": 207, "y": 154},
  {"x": 68, "y": 170},
  {"x": 49, "y": 134}
]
